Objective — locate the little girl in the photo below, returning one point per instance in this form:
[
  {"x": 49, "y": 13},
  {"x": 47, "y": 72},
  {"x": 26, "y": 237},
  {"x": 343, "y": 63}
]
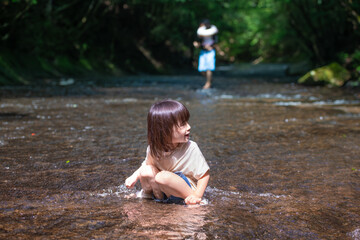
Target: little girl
[{"x": 174, "y": 170}]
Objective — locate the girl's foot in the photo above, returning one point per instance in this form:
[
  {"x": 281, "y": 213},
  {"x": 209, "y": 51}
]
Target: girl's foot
[{"x": 206, "y": 86}]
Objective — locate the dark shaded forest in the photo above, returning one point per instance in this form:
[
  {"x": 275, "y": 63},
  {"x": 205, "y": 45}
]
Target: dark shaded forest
[{"x": 73, "y": 38}]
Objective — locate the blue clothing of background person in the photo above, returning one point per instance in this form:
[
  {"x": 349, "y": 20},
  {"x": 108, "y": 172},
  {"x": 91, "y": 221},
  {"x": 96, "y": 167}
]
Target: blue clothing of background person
[{"x": 207, "y": 38}]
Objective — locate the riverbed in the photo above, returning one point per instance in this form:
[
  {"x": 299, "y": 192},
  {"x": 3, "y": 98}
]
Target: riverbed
[{"x": 284, "y": 160}]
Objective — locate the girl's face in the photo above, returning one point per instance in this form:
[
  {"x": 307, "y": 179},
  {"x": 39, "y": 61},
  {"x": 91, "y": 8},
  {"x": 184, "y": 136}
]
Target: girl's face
[{"x": 181, "y": 134}]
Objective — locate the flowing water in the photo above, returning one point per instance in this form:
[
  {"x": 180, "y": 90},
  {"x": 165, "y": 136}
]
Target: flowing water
[{"x": 284, "y": 159}]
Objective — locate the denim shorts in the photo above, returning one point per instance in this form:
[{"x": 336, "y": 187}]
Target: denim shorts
[{"x": 173, "y": 199}]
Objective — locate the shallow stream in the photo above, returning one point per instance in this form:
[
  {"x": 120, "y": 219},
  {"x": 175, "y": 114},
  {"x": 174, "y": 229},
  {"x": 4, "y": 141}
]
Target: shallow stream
[{"x": 284, "y": 159}]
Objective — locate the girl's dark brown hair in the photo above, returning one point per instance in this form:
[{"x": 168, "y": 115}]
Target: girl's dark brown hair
[{"x": 161, "y": 119}]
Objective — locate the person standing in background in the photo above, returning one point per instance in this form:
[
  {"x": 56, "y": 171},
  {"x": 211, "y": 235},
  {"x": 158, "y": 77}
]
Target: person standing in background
[{"x": 206, "y": 40}]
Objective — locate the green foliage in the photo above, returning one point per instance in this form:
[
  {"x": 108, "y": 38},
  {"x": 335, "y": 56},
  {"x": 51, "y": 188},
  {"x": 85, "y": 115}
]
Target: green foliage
[
  {"x": 324, "y": 28},
  {"x": 8, "y": 74},
  {"x": 73, "y": 37}
]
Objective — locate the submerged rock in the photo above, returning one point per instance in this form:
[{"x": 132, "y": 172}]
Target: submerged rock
[
  {"x": 331, "y": 75},
  {"x": 66, "y": 82}
]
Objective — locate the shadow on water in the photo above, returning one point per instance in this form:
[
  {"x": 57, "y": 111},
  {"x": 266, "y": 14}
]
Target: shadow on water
[
  {"x": 284, "y": 160},
  {"x": 12, "y": 115}
]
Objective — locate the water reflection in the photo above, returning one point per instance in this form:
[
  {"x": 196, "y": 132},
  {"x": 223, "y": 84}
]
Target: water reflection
[
  {"x": 159, "y": 221},
  {"x": 284, "y": 161}
]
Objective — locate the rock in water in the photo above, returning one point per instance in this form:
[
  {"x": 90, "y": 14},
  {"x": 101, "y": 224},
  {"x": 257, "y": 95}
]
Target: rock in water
[{"x": 331, "y": 75}]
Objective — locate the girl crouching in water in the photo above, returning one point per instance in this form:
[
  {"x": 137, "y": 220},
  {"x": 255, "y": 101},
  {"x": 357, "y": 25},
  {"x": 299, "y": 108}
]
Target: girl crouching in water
[{"x": 174, "y": 170}]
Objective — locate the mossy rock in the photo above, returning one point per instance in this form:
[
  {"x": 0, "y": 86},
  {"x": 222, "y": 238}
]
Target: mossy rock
[{"x": 330, "y": 75}]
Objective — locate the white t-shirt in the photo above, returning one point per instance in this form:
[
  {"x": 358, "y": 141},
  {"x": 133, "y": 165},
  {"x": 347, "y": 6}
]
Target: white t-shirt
[{"x": 187, "y": 158}]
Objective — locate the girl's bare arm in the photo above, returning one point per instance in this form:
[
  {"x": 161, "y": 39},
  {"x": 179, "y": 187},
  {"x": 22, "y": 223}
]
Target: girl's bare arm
[
  {"x": 201, "y": 186},
  {"x": 131, "y": 181}
]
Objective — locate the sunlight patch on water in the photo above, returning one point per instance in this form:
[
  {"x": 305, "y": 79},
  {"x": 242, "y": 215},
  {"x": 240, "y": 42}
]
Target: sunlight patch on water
[
  {"x": 71, "y": 105},
  {"x": 43, "y": 117},
  {"x": 270, "y": 195},
  {"x": 290, "y": 120},
  {"x": 217, "y": 95},
  {"x": 318, "y": 103},
  {"x": 337, "y": 102},
  {"x": 124, "y": 100},
  {"x": 207, "y": 92},
  {"x": 288, "y": 103},
  {"x": 245, "y": 199},
  {"x": 225, "y": 96},
  {"x": 87, "y": 128},
  {"x": 216, "y": 191},
  {"x": 13, "y": 105},
  {"x": 277, "y": 96},
  {"x": 355, "y": 234}
]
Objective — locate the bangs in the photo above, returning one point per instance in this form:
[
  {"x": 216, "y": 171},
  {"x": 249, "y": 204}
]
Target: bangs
[
  {"x": 170, "y": 112},
  {"x": 181, "y": 115}
]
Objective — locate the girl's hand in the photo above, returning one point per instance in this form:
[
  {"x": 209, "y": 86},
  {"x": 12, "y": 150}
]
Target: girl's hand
[
  {"x": 192, "y": 199},
  {"x": 130, "y": 181}
]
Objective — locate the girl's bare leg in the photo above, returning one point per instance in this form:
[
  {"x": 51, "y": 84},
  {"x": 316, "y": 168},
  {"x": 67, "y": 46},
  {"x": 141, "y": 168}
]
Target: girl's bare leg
[
  {"x": 147, "y": 180},
  {"x": 172, "y": 184},
  {"x": 208, "y": 75}
]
